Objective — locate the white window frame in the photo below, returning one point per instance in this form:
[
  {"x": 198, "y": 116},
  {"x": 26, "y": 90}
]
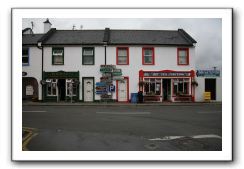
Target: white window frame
[{"x": 55, "y": 82}]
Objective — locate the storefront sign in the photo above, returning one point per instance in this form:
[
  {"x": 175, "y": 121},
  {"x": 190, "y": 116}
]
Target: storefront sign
[
  {"x": 61, "y": 74},
  {"x": 29, "y": 90},
  {"x": 208, "y": 73},
  {"x": 167, "y": 74}
]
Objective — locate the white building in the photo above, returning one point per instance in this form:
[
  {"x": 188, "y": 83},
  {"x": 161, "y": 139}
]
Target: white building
[{"x": 63, "y": 63}]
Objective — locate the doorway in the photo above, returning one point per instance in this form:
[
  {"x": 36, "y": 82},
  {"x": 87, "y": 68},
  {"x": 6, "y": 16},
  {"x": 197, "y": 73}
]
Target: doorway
[
  {"x": 210, "y": 86},
  {"x": 88, "y": 89},
  {"x": 166, "y": 94},
  {"x": 61, "y": 89},
  {"x": 123, "y": 90}
]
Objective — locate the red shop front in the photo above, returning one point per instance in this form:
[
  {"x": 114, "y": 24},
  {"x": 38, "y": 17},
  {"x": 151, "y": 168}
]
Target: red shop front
[{"x": 167, "y": 85}]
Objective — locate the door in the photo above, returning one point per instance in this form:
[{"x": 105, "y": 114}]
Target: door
[
  {"x": 166, "y": 89},
  {"x": 210, "y": 86},
  {"x": 61, "y": 89},
  {"x": 88, "y": 89},
  {"x": 123, "y": 90}
]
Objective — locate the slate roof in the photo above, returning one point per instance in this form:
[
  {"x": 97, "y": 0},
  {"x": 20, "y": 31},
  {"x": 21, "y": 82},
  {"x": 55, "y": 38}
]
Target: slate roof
[
  {"x": 31, "y": 39},
  {"x": 76, "y": 37},
  {"x": 115, "y": 37}
]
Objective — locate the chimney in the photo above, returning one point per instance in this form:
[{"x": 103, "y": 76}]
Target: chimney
[{"x": 47, "y": 26}]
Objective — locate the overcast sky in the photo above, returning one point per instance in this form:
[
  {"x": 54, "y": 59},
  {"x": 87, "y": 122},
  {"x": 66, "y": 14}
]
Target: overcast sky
[{"x": 207, "y": 32}]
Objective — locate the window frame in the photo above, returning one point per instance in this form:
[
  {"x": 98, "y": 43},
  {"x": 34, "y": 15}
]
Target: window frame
[
  {"x": 28, "y": 56},
  {"x": 57, "y": 48},
  {"x": 117, "y": 55},
  {"x": 56, "y": 86},
  {"x": 184, "y": 80},
  {"x": 178, "y": 56},
  {"x": 143, "y": 56},
  {"x": 93, "y": 48}
]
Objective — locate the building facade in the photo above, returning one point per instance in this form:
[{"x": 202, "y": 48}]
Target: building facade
[{"x": 61, "y": 65}]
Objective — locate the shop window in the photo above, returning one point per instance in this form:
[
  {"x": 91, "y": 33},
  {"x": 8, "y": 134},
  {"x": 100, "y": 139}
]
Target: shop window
[
  {"x": 58, "y": 56},
  {"x": 51, "y": 87},
  {"x": 183, "y": 56},
  {"x": 122, "y": 56},
  {"x": 181, "y": 87},
  {"x": 88, "y": 56},
  {"x": 25, "y": 56},
  {"x": 148, "y": 56},
  {"x": 71, "y": 87},
  {"x": 152, "y": 86}
]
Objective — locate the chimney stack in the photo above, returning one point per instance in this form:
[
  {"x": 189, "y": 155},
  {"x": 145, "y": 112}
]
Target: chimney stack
[{"x": 47, "y": 26}]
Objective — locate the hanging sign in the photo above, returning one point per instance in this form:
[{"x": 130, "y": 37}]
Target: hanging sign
[{"x": 208, "y": 73}]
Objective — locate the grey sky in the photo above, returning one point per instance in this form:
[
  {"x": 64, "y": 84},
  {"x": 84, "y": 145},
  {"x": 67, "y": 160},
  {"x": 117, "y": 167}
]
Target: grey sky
[{"x": 206, "y": 31}]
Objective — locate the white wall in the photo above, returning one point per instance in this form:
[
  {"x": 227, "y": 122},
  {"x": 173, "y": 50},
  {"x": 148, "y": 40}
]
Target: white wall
[
  {"x": 165, "y": 58},
  {"x": 200, "y": 89},
  {"x": 73, "y": 62},
  {"x": 34, "y": 69}
]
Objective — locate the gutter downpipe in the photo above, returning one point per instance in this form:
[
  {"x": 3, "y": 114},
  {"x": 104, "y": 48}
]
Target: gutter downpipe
[{"x": 39, "y": 45}]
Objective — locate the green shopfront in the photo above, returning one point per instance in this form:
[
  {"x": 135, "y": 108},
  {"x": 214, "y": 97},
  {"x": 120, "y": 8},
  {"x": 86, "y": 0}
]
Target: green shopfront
[{"x": 61, "y": 86}]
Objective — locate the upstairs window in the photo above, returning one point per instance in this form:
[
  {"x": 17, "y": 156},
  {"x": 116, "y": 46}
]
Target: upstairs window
[
  {"x": 58, "y": 56},
  {"x": 25, "y": 56},
  {"x": 148, "y": 56},
  {"x": 122, "y": 56},
  {"x": 88, "y": 56},
  {"x": 183, "y": 56}
]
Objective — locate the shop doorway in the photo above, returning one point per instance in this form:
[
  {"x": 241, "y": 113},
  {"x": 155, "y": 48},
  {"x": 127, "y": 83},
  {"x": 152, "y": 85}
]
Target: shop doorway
[
  {"x": 210, "y": 86},
  {"x": 166, "y": 89},
  {"x": 61, "y": 89}
]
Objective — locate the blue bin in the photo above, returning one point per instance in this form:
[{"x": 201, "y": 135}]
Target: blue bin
[{"x": 134, "y": 97}]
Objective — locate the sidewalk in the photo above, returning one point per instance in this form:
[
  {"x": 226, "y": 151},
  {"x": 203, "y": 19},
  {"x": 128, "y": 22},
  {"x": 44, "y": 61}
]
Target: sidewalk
[{"x": 30, "y": 103}]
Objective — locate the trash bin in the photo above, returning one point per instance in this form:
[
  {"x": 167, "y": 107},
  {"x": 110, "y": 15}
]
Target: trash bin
[
  {"x": 140, "y": 97},
  {"x": 134, "y": 98}
]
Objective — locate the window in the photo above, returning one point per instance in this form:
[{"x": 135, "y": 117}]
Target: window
[
  {"x": 25, "y": 56},
  {"x": 183, "y": 56},
  {"x": 152, "y": 86},
  {"x": 180, "y": 86},
  {"x": 51, "y": 87},
  {"x": 88, "y": 56},
  {"x": 122, "y": 56},
  {"x": 58, "y": 56},
  {"x": 148, "y": 56},
  {"x": 71, "y": 87}
]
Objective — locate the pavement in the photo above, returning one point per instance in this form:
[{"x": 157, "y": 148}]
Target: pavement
[
  {"x": 40, "y": 103},
  {"x": 188, "y": 127}
]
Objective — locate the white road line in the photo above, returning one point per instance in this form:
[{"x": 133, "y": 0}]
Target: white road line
[
  {"x": 209, "y": 112},
  {"x": 123, "y": 113},
  {"x": 165, "y": 138},
  {"x": 34, "y": 111}
]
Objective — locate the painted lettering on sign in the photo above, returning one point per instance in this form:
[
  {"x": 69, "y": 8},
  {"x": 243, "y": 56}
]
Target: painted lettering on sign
[
  {"x": 167, "y": 74},
  {"x": 208, "y": 73}
]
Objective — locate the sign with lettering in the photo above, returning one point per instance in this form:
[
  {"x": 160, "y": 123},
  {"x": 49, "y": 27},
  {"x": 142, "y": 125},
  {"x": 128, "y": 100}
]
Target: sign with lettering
[
  {"x": 29, "y": 90},
  {"x": 167, "y": 74},
  {"x": 208, "y": 73},
  {"x": 61, "y": 74},
  {"x": 117, "y": 73}
]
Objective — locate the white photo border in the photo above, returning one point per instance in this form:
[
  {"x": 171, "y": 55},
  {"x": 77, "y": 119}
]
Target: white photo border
[{"x": 225, "y": 155}]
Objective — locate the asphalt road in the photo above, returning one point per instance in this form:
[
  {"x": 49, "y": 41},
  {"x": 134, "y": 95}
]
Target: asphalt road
[{"x": 78, "y": 128}]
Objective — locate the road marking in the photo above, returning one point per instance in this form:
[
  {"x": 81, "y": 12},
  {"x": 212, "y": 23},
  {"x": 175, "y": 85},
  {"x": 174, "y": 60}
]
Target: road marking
[
  {"x": 123, "y": 113},
  {"x": 209, "y": 112},
  {"x": 165, "y": 138},
  {"x": 35, "y": 111}
]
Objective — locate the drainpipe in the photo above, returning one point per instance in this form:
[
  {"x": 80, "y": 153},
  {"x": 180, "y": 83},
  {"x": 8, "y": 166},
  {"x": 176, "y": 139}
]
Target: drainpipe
[
  {"x": 39, "y": 45},
  {"x": 105, "y": 52}
]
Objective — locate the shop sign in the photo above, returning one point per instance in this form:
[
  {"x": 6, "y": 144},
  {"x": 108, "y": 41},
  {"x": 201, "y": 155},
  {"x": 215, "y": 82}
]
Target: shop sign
[
  {"x": 167, "y": 74},
  {"x": 61, "y": 74},
  {"x": 29, "y": 90},
  {"x": 208, "y": 73},
  {"x": 24, "y": 73}
]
